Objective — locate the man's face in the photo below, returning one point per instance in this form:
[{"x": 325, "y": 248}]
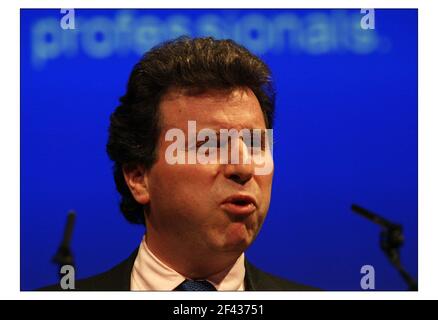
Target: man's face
[{"x": 187, "y": 205}]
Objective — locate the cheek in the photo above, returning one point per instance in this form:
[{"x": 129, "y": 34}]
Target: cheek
[
  {"x": 185, "y": 185},
  {"x": 265, "y": 185}
]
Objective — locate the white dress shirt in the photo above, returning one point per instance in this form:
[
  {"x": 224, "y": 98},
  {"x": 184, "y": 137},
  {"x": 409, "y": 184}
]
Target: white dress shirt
[{"x": 150, "y": 273}]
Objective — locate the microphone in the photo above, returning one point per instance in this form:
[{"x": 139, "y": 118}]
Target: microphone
[
  {"x": 64, "y": 255},
  {"x": 375, "y": 218},
  {"x": 391, "y": 239}
]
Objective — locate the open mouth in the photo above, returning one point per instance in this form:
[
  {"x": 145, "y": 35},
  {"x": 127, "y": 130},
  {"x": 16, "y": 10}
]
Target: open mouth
[{"x": 239, "y": 204}]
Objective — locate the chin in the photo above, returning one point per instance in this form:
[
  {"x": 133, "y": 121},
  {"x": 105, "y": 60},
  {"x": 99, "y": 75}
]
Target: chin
[
  {"x": 237, "y": 244},
  {"x": 235, "y": 248},
  {"x": 235, "y": 238}
]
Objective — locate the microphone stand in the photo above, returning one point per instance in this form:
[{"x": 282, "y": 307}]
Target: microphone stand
[
  {"x": 391, "y": 239},
  {"x": 64, "y": 255}
]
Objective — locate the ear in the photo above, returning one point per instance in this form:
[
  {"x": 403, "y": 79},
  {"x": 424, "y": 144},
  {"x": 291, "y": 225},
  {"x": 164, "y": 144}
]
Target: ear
[{"x": 137, "y": 181}]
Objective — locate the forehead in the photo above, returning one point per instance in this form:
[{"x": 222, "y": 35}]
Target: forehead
[{"x": 214, "y": 109}]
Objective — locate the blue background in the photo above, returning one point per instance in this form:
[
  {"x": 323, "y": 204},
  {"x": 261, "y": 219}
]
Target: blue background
[{"x": 345, "y": 132}]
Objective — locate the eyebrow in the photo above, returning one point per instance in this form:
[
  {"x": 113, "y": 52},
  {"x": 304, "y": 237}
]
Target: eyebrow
[
  {"x": 217, "y": 131},
  {"x": 218, "y": 134}
]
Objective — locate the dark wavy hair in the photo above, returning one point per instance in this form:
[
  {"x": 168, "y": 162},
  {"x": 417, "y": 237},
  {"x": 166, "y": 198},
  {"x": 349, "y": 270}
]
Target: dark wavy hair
[{"x": 196, "y": 64}]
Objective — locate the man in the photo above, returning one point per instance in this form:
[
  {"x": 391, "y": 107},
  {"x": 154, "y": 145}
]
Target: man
[{"x": 200, "y": 215}]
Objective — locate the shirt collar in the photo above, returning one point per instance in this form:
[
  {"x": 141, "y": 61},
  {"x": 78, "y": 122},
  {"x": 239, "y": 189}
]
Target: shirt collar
[{"x": 150, "y": 273}]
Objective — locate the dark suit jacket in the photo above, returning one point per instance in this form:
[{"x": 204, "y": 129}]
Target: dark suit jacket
[{"x": 119, "y": 279}]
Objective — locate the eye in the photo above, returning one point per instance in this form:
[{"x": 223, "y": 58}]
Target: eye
[
  {"x": 209, "y": 143},
  {"x": 258, "y": 142}
]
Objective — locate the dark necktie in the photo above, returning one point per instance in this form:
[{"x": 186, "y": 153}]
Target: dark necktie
[{"x": 195, "y": 285}]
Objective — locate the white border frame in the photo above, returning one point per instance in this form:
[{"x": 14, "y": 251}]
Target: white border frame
[{"x": 10, "y": 142}]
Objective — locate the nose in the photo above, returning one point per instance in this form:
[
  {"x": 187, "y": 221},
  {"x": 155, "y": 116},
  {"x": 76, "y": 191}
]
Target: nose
[{"x": 242, "y": 171}]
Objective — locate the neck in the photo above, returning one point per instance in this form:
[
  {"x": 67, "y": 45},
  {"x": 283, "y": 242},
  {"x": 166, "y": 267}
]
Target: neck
[{"x": 203, "y": 264}]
